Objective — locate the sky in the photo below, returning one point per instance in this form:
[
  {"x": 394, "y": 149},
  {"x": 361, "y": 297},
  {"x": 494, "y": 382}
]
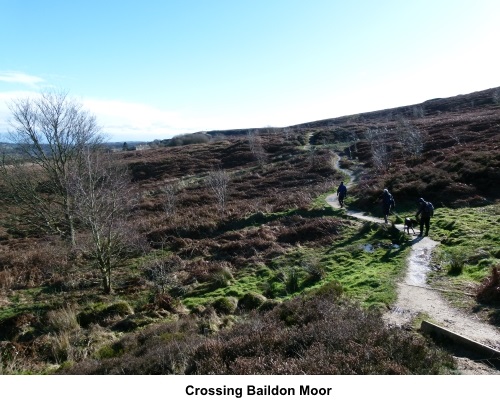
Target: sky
[{"x": 154, "y": 69}]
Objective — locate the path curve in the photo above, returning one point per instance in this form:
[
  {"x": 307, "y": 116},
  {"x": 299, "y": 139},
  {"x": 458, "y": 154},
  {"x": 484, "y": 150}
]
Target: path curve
[{"x": 415, "y": 297}]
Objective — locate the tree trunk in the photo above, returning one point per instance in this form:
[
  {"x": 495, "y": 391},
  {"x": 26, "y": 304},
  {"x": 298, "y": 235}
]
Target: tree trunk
[{"x": 106, "y": 283}]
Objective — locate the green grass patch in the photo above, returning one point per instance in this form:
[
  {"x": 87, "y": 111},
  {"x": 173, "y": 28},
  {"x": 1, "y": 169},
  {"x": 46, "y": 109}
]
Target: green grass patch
[
  {"x": 366, "y": 262},
  {"x": 470, "y": 240},
  {"x": 249, "y": 280}
]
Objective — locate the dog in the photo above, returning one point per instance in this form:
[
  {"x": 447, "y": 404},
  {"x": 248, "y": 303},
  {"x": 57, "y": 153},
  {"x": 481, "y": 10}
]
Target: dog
[{"x": 409, "y": 224}]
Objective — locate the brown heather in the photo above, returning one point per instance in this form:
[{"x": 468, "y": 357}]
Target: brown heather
[
  {"x": 267, "y": 214},
  {"x": 320, "y": 335}
]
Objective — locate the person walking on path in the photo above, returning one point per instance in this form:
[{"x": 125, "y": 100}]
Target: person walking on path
[
  {"x": 341, "y": 193},
  {"x": 425, "y": 211},
  {"x": 387, "y": 204}
]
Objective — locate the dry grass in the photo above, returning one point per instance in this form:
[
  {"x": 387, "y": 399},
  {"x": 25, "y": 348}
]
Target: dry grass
[
  {"x": 267, "y": 214},
  {"x": 28, "y": 263},
  {"x": 304, "y": 336}
]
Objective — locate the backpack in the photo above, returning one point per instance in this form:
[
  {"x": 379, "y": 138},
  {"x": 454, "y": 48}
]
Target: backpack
[
  {"x": 388, "y": 200},
  {"x": 429, "y": 208}
]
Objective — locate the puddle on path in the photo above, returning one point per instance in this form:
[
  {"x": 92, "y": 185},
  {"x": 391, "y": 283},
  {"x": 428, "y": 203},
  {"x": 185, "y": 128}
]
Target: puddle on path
[{"x": 419, "y": 262}]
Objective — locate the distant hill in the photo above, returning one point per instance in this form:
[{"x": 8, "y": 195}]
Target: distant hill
[
  {"x": 459, "y": 161},
  {"x": 437, "y": 106},
  {"x": 429, "y": 108}
]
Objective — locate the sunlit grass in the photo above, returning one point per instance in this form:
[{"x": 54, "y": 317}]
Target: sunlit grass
[{"x": 366, "y": 262}]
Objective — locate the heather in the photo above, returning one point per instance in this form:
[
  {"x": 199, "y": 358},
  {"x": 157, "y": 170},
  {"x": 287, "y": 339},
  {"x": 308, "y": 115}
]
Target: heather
[{"x": 230, "y": 261}]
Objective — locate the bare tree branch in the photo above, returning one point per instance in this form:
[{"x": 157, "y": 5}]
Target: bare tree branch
[
  {"x": 50, "y": 133},
  {"x": 102, "y": 202},
  {"x": 256, "y": 147},
  {"x": 411, "y": 138},
  {"x": 378, "y": 142},
  {"x": 218, "y": 181}
]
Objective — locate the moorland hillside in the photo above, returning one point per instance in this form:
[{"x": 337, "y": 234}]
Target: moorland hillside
[{"x": 239, "y": 266}]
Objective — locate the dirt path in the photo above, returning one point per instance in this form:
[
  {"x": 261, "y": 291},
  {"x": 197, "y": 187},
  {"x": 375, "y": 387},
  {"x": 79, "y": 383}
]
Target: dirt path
[{"x": 415, "y": 297}]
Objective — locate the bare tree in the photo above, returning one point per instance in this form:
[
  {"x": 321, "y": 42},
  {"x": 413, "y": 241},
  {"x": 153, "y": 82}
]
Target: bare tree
[
  {"x": 218, "y": 181},
  {"x": 50, "y": 133},
  {"x": 256, "y": 147},
  {"x": 163, "y": 273},
  {"x": 378, "y": 142},
  {"x": 353, "y": 138},
  {"x": 102, "y": 196},
  {"x": 456, "y": 136},
  {"x": 170, "y": 197},
  {"x": 418, "y": 111},
  {"x": 34, "y": 207},
  {"x": 314, "y": 157},
  {"x": 411, "y": 138},
  {"x": 496, "y": 96}
]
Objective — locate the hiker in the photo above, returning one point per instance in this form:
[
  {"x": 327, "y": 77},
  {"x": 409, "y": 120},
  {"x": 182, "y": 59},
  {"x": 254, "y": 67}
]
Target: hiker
[
  {"x": 387, "y": 204},
  {"x": 425, "y": 211},
  {"x": 341, "y": 193}
]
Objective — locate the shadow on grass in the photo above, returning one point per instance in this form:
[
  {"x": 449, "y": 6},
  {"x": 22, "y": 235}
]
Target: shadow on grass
[{"x": 382, "y": 231}]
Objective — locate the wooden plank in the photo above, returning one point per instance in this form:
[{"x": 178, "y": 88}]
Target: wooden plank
[{"x": 435, "y": 330}]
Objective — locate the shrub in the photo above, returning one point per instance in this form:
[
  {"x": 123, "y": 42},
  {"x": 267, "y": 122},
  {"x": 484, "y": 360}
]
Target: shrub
[
  {"x": 274, "y": 288},
  {"x": 64, "y": 319},
  {"x": 225, "y": 305},
  {"x": 489, "y": 291},
  {"x": 251, "y": 301},
  {"x": 189, "y": 139},
  {"x": 108, "y": 351},
  {"x": 10, "y": 361},
  {"x": 162, "y": 273},
  {"x": 312, "y": 335},
  {"x": 60, "y": 347},
  {"x": 222, "y": 277},
  {"x": 157, "y": 349},
  {"x": 165, "y": 301},
  {"x": 456, "y": 262},
  {"x": 100, "y": 314},
  {"x": 120, "y": 308},
  {"x": 268, "y": 305},
  {"x": 29, "y": 264},
  {"x": 313, "y": 267},
  {"x": 309, "y": 230},
  {"x": 333, "y": 289},
  {"x": 291, "y": 278},
  {"x": 316, "y": 336}
]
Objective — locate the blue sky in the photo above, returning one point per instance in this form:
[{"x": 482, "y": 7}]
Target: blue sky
[{"x": 153, "y": 69}]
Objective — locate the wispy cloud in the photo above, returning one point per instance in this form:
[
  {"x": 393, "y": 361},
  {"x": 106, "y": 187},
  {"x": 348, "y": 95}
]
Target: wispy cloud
[
  {"x": 120, "y": 120},
  {"x": 135, "y": 121},
  {"x": 20, "y": 78}
]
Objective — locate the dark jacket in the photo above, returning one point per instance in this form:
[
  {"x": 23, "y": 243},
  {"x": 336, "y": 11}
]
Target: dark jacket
[
  {"x": 387, "y": 200},
  {"x": 423, "y": 209},
  {"x": 342, "y": 190}
]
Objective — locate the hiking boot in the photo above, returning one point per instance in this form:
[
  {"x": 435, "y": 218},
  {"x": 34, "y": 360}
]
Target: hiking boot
[{"x": 420, "y": 235}]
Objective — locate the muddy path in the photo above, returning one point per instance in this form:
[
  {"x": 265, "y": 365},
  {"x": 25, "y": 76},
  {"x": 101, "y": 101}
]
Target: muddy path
[{"x": 416, "y": 297}]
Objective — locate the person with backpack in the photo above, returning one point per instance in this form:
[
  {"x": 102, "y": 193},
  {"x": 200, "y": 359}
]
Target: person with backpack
[
  {"x": 341, "y": 193},
  {"x": 387, "y": 204},
  {"x": 425, "y": 211}
]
